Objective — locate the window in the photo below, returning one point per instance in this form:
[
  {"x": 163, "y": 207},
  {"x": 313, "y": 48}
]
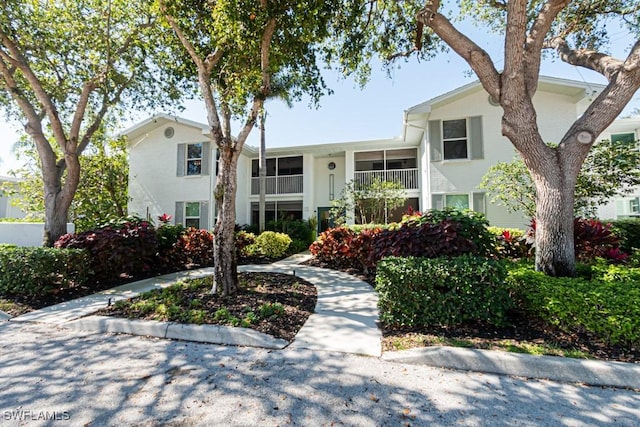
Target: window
[
  {"x": 194, "y": 159},
  {"x": 458, "y": 201},
  {"x": 279, "y": 210},
  {"x": 626, "y": 138},
  {"x": 192, "y": 214},
  {"x": 634, "y": 205},
  {"x": 454, "y": 139}
]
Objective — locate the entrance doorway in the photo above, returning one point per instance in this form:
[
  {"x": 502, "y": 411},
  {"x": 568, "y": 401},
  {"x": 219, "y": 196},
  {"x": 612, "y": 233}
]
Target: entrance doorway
[{"x": 325, "y": 221}]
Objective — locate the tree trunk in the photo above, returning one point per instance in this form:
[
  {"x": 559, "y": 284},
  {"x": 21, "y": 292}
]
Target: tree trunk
[
  {"x": 225, "y": 278},
  {"x": 555, "y": 253},
  {"x": 58, "y": 197},
  {"x": 262, "y": 173}
]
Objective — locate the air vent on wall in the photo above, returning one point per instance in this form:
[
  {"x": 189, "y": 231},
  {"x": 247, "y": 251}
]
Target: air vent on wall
[{"x": 169, "y": 132}]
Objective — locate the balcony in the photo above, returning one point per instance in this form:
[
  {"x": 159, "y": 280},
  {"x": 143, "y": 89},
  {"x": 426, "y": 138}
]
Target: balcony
[
  {"x": 285, "y": 184},
  {"x": 407, "y": 177}
]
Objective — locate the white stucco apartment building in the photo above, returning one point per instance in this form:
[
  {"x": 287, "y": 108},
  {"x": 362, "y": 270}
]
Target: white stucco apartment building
[{"x": 446, "y": 146}]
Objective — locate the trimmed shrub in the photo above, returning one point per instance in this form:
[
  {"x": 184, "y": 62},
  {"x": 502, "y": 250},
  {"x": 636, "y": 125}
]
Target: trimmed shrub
[
  {"x": 296, "y": 229},
  {"x": 604, "y": 305},
  {"x": 32, "y": 272},
  {"x": 628, "y": 231},
  {"x": 415, "y": 292},
  {"x": 270, "y": 245},
  {"x": 126, "y": 248}
]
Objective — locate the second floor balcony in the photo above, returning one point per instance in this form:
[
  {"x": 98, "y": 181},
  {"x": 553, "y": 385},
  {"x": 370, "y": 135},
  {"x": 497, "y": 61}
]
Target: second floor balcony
[
  {"x": 408, "y": 178},
  {"x": 285, "y": 184}
]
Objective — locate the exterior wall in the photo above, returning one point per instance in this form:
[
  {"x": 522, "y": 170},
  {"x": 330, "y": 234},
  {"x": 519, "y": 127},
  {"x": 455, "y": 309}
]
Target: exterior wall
[
  {"x": 154, "y": 186},
  {"x": 25, "y": 233},
  {"x": 321, "y": 185},
  {"x": 555, "y": 113}
]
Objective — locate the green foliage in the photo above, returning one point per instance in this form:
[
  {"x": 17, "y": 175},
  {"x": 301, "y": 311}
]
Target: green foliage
[
  {"x": 270, "y": 244},
  {"x": 472, "y": 225},
  {"x": 370, "y": 203},
  {"x": 271, "y": 310},
  {"x": 610, "y": 170},
  {"x": 604, "y": 305},
  {"x": 102, "y": 193},
  {"x": 628, "y": 230},
  {"x": 34, "y": 272},
  {"x": 244, "y": 239},
  {"x": 296, "y": 229},
  {"x": 415, "y": 292}
]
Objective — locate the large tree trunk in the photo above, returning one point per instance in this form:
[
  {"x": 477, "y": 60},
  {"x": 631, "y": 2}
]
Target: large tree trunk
[
  {"x": 225, "y": 278},
  {"x": 555, "y": 254},
  {"x": 58, "y": 196}
]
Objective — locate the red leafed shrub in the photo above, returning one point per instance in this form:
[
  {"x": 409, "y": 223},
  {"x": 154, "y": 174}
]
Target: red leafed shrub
[
  {"x": 243, "y": 239},
  {"x": 334, "y": 247},
  {"x": 421, "y": 240},
  {"x": 196, "y": 246},
  {"x": 592, "y": 239},
  {"x": 124, "y": 249}
]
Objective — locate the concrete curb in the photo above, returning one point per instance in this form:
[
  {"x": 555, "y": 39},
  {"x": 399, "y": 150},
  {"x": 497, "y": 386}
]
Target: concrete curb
[
  {"x": 212, "y": 334},
  {"x": 590, "y": 372},
  {"x": 4, "y": 316}
]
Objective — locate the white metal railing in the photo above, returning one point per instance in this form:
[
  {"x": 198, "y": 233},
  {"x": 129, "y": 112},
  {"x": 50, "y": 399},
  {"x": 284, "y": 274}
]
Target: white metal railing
[
  {"x": 284, "y": 184},
  {"x": 407, "y": 177}
]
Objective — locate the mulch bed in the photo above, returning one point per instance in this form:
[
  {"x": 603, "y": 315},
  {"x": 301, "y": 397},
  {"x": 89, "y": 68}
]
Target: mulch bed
[{"x": 296, "y": 295}]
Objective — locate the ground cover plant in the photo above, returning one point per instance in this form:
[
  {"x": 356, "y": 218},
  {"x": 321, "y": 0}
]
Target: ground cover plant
[{"x": 272, "y": 303}]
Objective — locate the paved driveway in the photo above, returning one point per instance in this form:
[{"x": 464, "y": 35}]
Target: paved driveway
[{"x": 103, "y": 379}]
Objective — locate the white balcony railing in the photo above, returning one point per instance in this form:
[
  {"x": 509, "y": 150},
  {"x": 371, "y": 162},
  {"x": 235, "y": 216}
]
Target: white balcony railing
[
  {"x": 284, "y": 184},
  {"x": 407, "y": 177}
]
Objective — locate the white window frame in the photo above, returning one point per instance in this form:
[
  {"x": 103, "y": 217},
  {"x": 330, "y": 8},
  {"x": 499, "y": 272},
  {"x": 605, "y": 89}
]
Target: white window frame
[
  {"x": 466, "y": 139},
  {"x": 193, "y": 159}
]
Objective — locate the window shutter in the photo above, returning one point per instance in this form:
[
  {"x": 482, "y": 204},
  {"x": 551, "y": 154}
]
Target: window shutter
[
  {"x": 435, "y": 140},
  {"x": 204, "y": 215},
  {"x": 479, "y": 203},
  {"x": 181, "y": 159},
  {"x": 437, "y": 201},
  {"x": 178, "y": 219},
  {"x": 206, "y": 158},
  {"x": 477, "y": 146}
]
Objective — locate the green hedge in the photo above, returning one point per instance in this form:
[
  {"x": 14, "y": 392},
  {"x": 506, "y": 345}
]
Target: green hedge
[
  {"x": 270, "y": 245},
  {"x": 607, "y": 305},
  {"x": 414, "y": 292},
  {"x": 36, "y": 271},
  {"x": 628, "y": 230}
]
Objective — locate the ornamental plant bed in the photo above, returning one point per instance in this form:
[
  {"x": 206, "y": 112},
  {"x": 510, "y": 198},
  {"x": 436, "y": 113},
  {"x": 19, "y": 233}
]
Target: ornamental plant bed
[
  {"x": 272, "y": 303},
  {"x": 523, "y": 335}
]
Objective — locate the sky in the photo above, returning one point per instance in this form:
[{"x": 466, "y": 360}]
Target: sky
[{"x": 375, "y": 112}]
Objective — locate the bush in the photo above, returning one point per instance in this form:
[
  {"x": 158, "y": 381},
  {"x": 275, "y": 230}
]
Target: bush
[
  {"x": 296, "y": 229},
  {"x": 195, "y": 247},
  {"x": 124, "y": 248},
  {"x": 342, "y": 247},
  {"x": 608, "y": 305},
  {"x": 628, "y": 231},
  {"x": 416, "y": 292},
  {"x": 511, "y": 243},
  {"x": 473, "y": 226},
  {"x": 243, "y": 240},
  {"x": 33, "y": 272},
  {"x": 270, "y": 245}
]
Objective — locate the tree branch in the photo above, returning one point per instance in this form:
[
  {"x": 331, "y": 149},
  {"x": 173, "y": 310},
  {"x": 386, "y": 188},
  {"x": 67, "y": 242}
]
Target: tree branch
[
  {"x": 19, "y": 61},
  {"x": 536, "y": 39},
  {"x": 476, "y": 57},
  {"x": 606, "y": 65}
]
